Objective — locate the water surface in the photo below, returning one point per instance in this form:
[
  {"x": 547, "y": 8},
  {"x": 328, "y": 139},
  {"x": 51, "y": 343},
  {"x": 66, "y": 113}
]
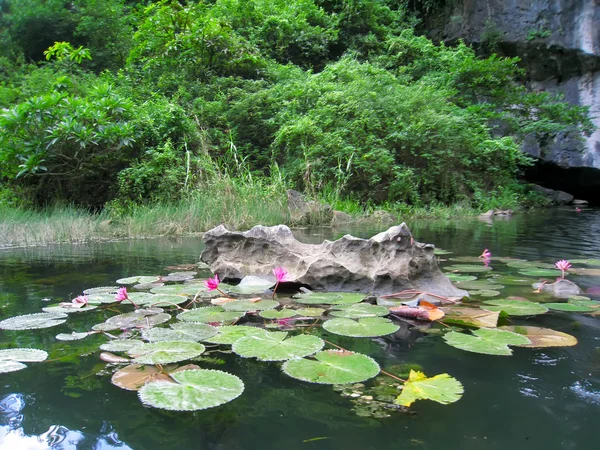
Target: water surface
[{"x": 536, "y": 399}]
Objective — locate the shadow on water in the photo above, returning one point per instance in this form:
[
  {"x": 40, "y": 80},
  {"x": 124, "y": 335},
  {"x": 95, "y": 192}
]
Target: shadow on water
[{"x": 536, "y": 399}]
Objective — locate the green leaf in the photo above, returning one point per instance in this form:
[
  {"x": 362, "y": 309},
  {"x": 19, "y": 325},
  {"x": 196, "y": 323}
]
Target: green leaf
[
  {"x": 195, "y": 331},
  {"x": 441, "y": 388},
  {"x": 210, "y": 314},
  {"x": 102, "y": 290},
  {"x": 515, "y": 307},
  {"x": 251, "y": 285},
  {"x": 478, "y": 285},
  {"x": 274, "y": 314},
  {"x": 486, "y": 293},
  {"x": 140, "y": 318},
  {"x": 139, "y": 279},
  {"x": 165, "y": 352},
  {"x": 457, "y": 277},
  {"x": 568, "y": 307},
  {"x": 275, "y": 346},
  {"x": 73, "y": 336},
  {"x": 358, "y": 310},
  {"x": 329, "y": 298},
  {"x": 468, "y": 268},
  {"x": 471, "y": 317},
  {"x": 310, "y": 312},
  {"x": 58, "y": 309},
  {"x": 162, "y": 300},
  {"x": 193, "y": 390},
  {"x": 121, "y": 345},
  {"x": 33, "y": 321},
  {"x": 366, "y": 327},
  {"x": 23, "y": 355},
  {"x": 229, "y": 334},
  {"x": 549, "y": 273},
  {"x": 332, "y": 367},
  {"x": 486, "y": 341},
  {"x": 249, "y": 305},
  {"x": 542, "y": 337}
]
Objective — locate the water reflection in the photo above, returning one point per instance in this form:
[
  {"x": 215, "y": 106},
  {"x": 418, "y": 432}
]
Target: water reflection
[{"x": 58, "y": 437}]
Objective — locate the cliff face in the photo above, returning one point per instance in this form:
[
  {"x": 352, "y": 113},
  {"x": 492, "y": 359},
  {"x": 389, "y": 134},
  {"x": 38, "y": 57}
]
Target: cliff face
[{"x": 558, "y": 42}]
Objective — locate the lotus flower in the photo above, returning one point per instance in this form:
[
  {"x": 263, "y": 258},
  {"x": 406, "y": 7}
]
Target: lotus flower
[
  {"x": 281, "y": 275},
  {"x": 486, "y": 254},
  {"x": 122, "y": 295},
  {"x": 80, "y": 301},
  {"x": 563, "y": 265}
]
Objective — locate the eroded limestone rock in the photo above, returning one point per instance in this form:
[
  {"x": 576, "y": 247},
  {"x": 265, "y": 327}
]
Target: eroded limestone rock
[{"x": 388, "y": 262}]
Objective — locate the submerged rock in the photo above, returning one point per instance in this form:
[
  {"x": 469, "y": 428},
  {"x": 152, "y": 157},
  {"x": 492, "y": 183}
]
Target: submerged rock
[
  {"x": 388, "y": 262},
  {"x": 560, "y": 288}
]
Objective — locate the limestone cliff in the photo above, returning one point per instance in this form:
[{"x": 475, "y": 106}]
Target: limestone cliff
[{"x": 559, "y": 44}]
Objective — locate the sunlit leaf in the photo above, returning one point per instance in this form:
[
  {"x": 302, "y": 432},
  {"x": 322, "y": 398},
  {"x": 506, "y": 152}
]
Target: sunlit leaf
[
  {"x": 210, "y": 314},
  {"x": 134, "y": 376},
  {"x": 486, "y": 341},
  {"x": 165, "y": 352},
  {"x": 542, "y": 337},
  {"x": 332, "y": 367},
  {"x": 192, "y": 390},
  {"x": 515, "y": 307},
  {"x": 276, "y": 346},
  {"x": 357, "y": 310},
  {"x": 73, "y": 336},
  {"x": 310, "y": 312},
  {"x": 365, "y": 327},
  {"x": 33, "y": 321},
  {"x": 230, "y": 334},
  {"x": 249, "y": 305},
  {"x": 121, "y": 345},
  {"x": 139, "y": 279},
  {"x": 274, "y": 314},
  {"x": 471, "y": 317},
  {"x": 251, "y": 285},
  {"x": 441, "y": 388}
]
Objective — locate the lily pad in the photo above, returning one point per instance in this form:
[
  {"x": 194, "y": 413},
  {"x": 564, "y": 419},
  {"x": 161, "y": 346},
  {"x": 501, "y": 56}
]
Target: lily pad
[
  {"x": 366, "y": 327},
  {"x": 140, "y": 318},
  {"x": 102, "y": 290},
  {"x": 134, "y": 376},
  {"x": 310, "y": 312},
  {"x": 195, "y": 331},
  {"x": 478, "y": 285},
  {"x": 210, "y": 314},
  {"x": 121, "y": 345},
  {"x": 487, "y": 341},
  {"x": 98, "y": 299},
  {"x": 471, "y": 317},
  {"x": 74, "y": 336},
  {"x": 548, "y": 273},
  {"x": 486, "y": 293},
  {"x": 251, "y": 285},
  {"x": 569, "y": 307},
  {"x": 441, "y": 388},
  {"x": 230, "y": 334},
  {"x": 332, "y": 367},
  {"x": 23, "y": 355},
  {"x": 139, "y": 279},
  {"x": 33, "y": 321},
  {"x": 11, "y": 366},
  {"x": 358, "y": 310},
  {"x": 274, "y": 314},
  {"x": 249, "y": 305},
  {"x": 58, "y": 309},
  {"x": 510, "y": 280},
  {"x": 515, "y": 307},
  {"x": 439, "y": 251},
  {"x": 468, "y": 268},
  {"x": 193, "y": 390},
  {"x": 276, "y": 346},
  {"x": 459, "y": 277},
  {"x": 165, "y": 352},
  {"x": 181, "y": 289},
  {"x": 587, "y": 261},
  {"x": 329, "y": 298},
  {"x": 162, "y": 300},
  {"x": 542, "y": 337},
  {"x": 529, "y": 265}
]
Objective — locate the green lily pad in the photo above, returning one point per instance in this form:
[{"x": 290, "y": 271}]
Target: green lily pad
[
  {"x": 195, "y": 331},
  {"x": 162, "y": 300},
  {"x": 439, "y": 251},
  {"x": 121, "y": 345},
  {"x": 471, "y": 317},
  {"x": 441, "y": 388},
  {"x": 58, "y": 309},
  {"x": 188, "y": 290},
  {"x": 549, "y": 273},
  {"x": 102, "y": 290},
  {"x": 230, "y": 334},
  {"x": 357, "y": 310},
  {"x": 99, "y": 299},
  {"x": 529, "y": 265},
  {"x": 193, "y": 390},
  {"x": 274, "y": 314},
  {"x": 510, "y": 280},
  {"x": 140, "y": 279},
  {"x": 11, "y": 366},
  {"x": 329, "y": 298},
  {"x": 459, "y": 277},
  {"x": 478, "y": 285},
  {"x": 366, "y": 327},
  {"x": 165, "y": 352},
  {"x": 580, "y": 300},
  {"x": 251, "y": 285},
  {"x": 166, "y": 335},
  {"x": 468, "y": 268},
  {"x": 310, "y": 312},
  {"x": 33, "y": 321},
  {"x": 568, "y": 307},
  {"x": 276, "y": 346},
  {"x": 249, "y": 305},
  {"x": 542, "y": 337},
  {"x": 210, "y": 314},
  {"x": 486, "y": 293},
  {"x": 515, "y": 307},
  {"x": 23, "y": 355},
  {"x": 140, "y": 318},
  {"x": 332, "y": 367},
  {"x": 587, "y": 261},
  {"x": 487, "y": 341},
  {"x": 74, "y": 336}
]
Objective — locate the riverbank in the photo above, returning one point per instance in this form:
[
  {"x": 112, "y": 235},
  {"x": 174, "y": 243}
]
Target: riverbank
[{"x": 21, "y": 227}]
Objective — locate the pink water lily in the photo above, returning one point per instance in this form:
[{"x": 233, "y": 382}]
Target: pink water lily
[
  {"x": 80, "y": 301},
  {"x": 213, "y": 284},
  {"x": 122, "y": 295},
  {"x": 281, "y": 275},
  {"x": 486, "y": 254},
  {"x": 563, "y": 265}
]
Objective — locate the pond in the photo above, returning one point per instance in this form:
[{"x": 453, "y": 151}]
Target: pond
[{"x": 546, "y": 398}]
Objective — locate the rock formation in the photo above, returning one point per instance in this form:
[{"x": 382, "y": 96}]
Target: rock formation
[{"x": 388, "y": 262}]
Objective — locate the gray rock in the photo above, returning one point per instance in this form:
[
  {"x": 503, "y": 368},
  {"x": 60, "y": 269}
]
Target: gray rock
[
  {"x": 556, "y": 197},
  {"x": 340, "y": 217},
  {"x": 307, "y": 212},
  {"x": 560, "y": 288},
  {"x": 578, "y": 202},
  {"x": 383, "y": 217},
  {"x": 388, "y": 262},
  {"x": 563, "y": 198}
]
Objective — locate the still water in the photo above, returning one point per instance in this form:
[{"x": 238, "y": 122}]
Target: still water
[{"x": 536, "y": 399}]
